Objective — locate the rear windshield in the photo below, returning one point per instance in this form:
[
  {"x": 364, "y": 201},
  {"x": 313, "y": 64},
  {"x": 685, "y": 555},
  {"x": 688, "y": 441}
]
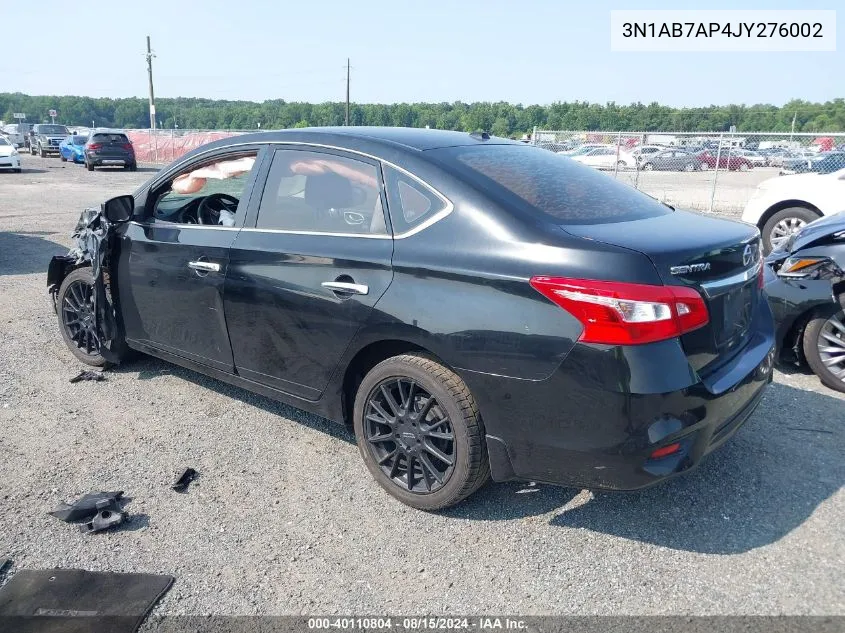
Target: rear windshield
[
  {"x": 80, "y": 140},
  {"x": 110, "y": 138},
  {"x": 558, "y": 188}
]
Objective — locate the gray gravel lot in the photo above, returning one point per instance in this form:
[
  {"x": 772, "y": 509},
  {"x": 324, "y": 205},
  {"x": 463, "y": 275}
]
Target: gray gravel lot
[{"x": 286, "y": 520}]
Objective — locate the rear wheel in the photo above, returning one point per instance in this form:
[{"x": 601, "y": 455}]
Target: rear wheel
[
  {"x": 689, "y": 167},
  {"x": 420, "y": 433},
  {"x": 824, "y": 347},
  {"x": 648, "y": 166},
  {"x": 89, "y": 166},
  {"x": 743, "y": 167},
  {"x": 62, "y": 158},
  {"x": 705, "y": 166},
  {"x": 783, "y": 224}
]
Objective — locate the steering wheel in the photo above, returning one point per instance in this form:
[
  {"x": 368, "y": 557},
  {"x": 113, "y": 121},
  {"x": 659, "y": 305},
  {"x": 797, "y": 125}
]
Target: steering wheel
[{"x": 213, "y": 205}]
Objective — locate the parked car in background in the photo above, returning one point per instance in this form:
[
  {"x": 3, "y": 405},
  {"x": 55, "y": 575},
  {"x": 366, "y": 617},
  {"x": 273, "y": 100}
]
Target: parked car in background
[
  {"x": 775, "y": 156},
  {"x": 640, "y": 153},
  {"x": 607, "y": 157},
  {"x": 15, "y": 132},
  {"x": 807, "y": 297},
  {"x": 45, "y": 138},
  {"x": 782, "y": 205},
  {"x": 580, "y": 149},
  {"x": 755, "y": 158},
  {"x": 510, "y": 313},
  {"x": 10, "y": 158},
  {"x": 109, "y": 149},
  {"x": 726, "y": 159},
  {"x": 672, "y": 160},
  {"x": 824, "y": 163},
  {"x": 73, "y": 149}
]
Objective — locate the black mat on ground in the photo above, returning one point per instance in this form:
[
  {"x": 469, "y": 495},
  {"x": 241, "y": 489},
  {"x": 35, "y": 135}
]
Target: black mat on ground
[{"x": 77, "y": 601}]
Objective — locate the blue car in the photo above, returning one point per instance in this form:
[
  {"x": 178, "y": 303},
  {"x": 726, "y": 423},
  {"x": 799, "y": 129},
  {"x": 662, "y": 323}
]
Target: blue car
[{"x": 73, "y": 148}]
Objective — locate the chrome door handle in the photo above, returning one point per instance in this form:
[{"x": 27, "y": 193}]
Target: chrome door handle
[
  {"x": 344, "y": 287},
  {"x": 209, "y": 267}
]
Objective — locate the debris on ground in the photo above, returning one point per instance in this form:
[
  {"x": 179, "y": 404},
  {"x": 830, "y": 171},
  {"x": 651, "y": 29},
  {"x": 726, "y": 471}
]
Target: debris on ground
[
  {"x": 5, "y": 563},
  {"x": 181, "y": 484},
  {"x": 88, "y": 375},
  {"x": 97, "y": 511}
]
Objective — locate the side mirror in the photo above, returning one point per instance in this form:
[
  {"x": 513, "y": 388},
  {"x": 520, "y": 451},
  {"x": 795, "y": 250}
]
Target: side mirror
[
  {"x": 119, "y": 209},
  {"x": 15, "y": 145}
]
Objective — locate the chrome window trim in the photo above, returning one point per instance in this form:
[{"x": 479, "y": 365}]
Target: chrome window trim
[{"x": 399, "y": 236}]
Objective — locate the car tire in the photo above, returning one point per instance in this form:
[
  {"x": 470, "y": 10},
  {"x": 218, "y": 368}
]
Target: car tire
[
  {"x": 781, "y": 223},
  {"x": 743, "y": 167},
  {"x": 621, "y": 164},
  {"x": 824, "y": 342},
  {"x": 73, "y": 301},
  {"x": 705, "y": 166},
  {"x": 648, "y": 166},
  {"x": 32, "y": 150},
  {"x": 689, "y": 167},
  {"x": 62, "y": 158},
  {"x": 436, "y": 481},
  {"x": 133, "y": 167},
  {"x": 89, "y": 166},
  {"x": 41, "y": 152}
]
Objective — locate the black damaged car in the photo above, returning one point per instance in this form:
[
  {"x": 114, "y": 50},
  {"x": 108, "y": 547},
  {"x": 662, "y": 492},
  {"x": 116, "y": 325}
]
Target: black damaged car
[
  {"x": 471, "y": 306},
  {"x": 805, "y": 284}
]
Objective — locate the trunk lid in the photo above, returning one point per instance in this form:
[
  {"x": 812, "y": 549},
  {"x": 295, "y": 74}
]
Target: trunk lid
[{"x": 719, "y": 258}]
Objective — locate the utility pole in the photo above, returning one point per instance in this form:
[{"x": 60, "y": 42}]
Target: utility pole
[
  {"x": 152, "y": 94},
  {"x": 347, "y": 91}
]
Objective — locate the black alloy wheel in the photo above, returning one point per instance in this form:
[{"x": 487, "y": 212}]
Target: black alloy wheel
[
  {"x": 410, "y": 435},
  {"x": 77, "y": 312},
  {"x": 420, "y": 433}
]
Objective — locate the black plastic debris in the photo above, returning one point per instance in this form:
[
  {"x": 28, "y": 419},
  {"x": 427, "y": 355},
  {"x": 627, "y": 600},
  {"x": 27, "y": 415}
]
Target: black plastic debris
[
  {"x": 181, "y": 484},
  {"x": 5, "y": 563},
  {"x": 97, "y": 510},
  {"x": 88, "y": 375}
]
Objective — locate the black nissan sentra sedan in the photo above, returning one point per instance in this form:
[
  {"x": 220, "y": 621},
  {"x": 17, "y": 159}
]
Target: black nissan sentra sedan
[{"x": 471, "y": 306}]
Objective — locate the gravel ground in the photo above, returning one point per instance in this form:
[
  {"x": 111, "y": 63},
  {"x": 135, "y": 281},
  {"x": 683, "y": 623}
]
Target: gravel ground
[{"x": 285, "y": 519}]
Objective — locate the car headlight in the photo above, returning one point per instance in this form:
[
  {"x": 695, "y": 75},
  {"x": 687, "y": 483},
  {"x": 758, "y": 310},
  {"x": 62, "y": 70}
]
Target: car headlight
[{"x": 801, "y": 266}]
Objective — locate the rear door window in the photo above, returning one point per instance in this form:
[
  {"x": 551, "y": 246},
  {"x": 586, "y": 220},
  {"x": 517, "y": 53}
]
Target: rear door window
[{"x": 548, "y": 185}]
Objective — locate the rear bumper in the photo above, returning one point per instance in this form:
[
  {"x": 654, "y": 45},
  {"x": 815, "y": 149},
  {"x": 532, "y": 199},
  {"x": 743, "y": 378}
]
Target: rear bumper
[
  {"x": 100, "y": 160},
  {"x": 595, "y": 422}
]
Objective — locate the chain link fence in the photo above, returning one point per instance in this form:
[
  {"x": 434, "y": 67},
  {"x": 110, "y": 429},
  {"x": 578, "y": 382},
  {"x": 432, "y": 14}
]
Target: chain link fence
[{"x": 714, "y": 172}]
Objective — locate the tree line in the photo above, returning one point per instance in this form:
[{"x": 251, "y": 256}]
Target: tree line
[{"x": 502, "y": 119}]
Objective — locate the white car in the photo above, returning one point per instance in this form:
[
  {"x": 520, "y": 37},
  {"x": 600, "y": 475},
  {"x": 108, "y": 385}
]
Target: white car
[
  {"x": 13, "y": 133},
  {"x": 606, "y": 158},
  {"x": 758, "y": 160},
  {"x": 9, "y": 157},
  {"x": 782, "y": 205},
  {"x": 646, "y": 150},
  {"x": 581, "y": 149}
]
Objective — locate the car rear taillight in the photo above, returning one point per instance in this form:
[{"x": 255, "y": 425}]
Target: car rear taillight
[
  {"x": 127, "y": 146},
  {"x": 94, "y": 146},
  {"x": 617, "y": 313}
]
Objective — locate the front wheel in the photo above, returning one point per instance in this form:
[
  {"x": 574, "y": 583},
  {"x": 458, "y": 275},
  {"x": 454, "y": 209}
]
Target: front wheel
[
  {"x": 75, "y": 308},
  {"x": 824, "y": 347},
  {"x": 89, "y": 166},
  {"x": 648, "y": 166},
  {"x": 778, "y": 228},
  {"x": 419, "y": 432},
  {"x": 689, "y": 167},
  {"x": 41, "y": 152},
  {"x": 743, "y": 167},
  {"x": 705, "y": 166}
]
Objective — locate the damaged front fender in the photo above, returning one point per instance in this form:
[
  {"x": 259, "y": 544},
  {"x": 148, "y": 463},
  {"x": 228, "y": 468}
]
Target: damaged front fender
[{"x": 94, "y": 241}]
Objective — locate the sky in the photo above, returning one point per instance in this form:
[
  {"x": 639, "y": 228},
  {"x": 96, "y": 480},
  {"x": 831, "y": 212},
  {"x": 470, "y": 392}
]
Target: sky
[{"x": 519, "y": 51}]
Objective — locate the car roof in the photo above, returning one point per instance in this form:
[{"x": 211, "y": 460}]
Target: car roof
[{"x": 409, "y": 138}]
